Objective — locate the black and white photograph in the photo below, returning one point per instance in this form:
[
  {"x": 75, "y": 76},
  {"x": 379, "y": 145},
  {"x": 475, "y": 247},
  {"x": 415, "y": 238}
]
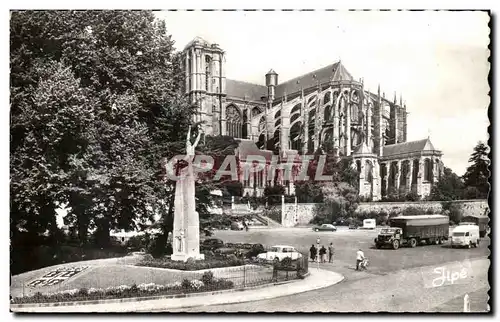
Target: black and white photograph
[{"x": 224, "y": 161}]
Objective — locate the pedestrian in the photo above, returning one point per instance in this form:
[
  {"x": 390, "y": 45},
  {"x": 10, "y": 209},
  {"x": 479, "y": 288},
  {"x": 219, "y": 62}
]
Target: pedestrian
[
  {"x": 322, "y": 254},
  {"x": 330, "y": 253},
  {"x": 360, "y": 256},
  {"x": 313, "y": 251}
]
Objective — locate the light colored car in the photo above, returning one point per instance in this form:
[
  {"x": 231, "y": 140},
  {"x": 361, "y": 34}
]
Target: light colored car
[
  {"x": 279, "y": 252},
  {"x": 325, "y": 227},
  {"x": 236, "y": 225}
]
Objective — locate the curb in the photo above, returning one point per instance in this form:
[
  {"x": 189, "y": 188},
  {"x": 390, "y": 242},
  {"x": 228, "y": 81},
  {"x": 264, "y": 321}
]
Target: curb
[{"x": 147, "y": 298}]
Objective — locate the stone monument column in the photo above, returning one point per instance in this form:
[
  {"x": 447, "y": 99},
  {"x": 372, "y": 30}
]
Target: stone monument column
[{"x": 186, "y": 221}]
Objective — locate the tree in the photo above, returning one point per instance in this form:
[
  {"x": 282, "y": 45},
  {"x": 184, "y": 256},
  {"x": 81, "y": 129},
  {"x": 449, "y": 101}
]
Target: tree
[
  {"x": 273, "y": 194},
  {"x": 449, "y": 187},
  {"x": 93, "y": 96},
  {"x": 340, "y": 202},
  {"x": 478, "y": 172}
]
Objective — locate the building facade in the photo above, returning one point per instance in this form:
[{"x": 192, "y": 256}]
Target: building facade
[{"x": 326, "y": 109}]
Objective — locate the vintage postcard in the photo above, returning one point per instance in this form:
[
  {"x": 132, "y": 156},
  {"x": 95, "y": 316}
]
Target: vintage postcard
[{"x": 249, "y": 161}]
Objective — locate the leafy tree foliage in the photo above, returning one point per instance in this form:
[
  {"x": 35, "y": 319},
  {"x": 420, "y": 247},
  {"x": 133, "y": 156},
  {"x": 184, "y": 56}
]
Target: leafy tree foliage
[
  {"x": 478, "y": 172},
  {"x": 449, "y": 187},
  {"x": 95, "y": 108}
]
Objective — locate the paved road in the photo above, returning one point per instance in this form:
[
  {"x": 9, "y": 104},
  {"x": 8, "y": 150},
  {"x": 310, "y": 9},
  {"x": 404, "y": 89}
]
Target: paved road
[{"x": 394, "y": 282}]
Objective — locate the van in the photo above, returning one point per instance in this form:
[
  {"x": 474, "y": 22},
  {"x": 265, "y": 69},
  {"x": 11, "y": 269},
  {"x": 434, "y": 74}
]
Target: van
[
  {"x": 369, "y": 224},
  {"x": 465, "y": 236}
]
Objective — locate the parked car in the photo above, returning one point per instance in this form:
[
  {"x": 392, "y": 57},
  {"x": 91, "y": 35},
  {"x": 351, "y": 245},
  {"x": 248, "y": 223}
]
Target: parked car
[
  {"x": 236, "y": 225},
  {"x": 353, "y": 226},
  {"x": 279, "y": 252},
  {"x": 212, "y": 244},
  {"x": 325, "y": 227}
]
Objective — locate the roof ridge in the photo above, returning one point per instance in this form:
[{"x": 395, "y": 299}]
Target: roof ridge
[
  {"x": 311, "y": 72},
  {"x": 235, "y": 80}
]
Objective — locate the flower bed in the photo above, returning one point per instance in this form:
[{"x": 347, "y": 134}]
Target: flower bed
[
  {"x": 192, "y": 265},
  {"x": 207, "y": 283}
]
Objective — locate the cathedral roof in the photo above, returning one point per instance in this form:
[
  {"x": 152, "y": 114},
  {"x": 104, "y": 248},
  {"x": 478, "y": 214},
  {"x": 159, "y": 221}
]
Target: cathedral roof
[
  {"x": 334, "y": 72},
  {"x": 240, "y": 89},
  {"x": 408, "y": 147}
]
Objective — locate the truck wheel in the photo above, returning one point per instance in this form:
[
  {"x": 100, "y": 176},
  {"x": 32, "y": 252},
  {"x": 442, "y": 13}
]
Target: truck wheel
[
  {"x": 316, "y": 229},
  {"x": 378, "y": 246},
  {"x": 436, "y": 241},
  {"x": 439, "y": 241},
  {"x": 413, "y": 242},
  {"x": 395, "y": 244},
  {"x": 470, "y": 245},
  {"x": 477, "y": 243}
]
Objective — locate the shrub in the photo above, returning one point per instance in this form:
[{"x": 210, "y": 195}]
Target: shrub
[
  {"x": 186, "y": 284},
  {"x": 413, "y": 211},
  {"x": 231, "y": 260},
  {"x": 208, "y": 278},
  {"x": 83, "y": 292},
  {"x": 412, "y": 196}
]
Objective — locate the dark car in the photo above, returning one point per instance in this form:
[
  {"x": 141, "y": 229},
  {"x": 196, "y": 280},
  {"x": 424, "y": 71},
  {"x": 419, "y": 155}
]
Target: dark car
[
  {"x": 212, "y": 244},
  {"x": 353, "y": 226}
]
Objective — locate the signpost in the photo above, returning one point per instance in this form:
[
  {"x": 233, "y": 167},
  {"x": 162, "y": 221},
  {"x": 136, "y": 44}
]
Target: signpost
[
  {"x": 317, "y": 261},
  {"x": 466, "y": 303}
]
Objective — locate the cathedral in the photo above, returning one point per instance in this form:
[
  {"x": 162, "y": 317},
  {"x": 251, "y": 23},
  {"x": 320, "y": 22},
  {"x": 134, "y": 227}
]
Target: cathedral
[{"x": 325, "y": 110}]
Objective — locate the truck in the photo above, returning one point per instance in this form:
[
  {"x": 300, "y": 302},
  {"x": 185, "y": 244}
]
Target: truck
[{"x": 414, "y": 230}]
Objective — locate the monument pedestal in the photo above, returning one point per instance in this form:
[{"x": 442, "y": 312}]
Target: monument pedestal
[
  {"x": 186, "y": 241},
  {"x": 184, "y": 257}
]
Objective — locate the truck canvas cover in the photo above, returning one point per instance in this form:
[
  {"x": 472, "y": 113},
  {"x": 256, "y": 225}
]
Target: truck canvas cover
[{"x": 424, "y": 220}]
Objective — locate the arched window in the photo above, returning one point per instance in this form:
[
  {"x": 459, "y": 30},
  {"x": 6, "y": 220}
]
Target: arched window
[
  {"x": 262, "y": 141},
  {"x": 295, "y": 136},
  {"x": 233, "y": 122},
  {"x": 326, "y": 98},
  {"x": 208, "y": 72},
  {"x": 358, "y": 166},
  {"x": 354, "y": 113},
  {"x": 277, "y": 115},
  {"x": 328, "y": 113},
  {"x": 189, "y": 66},
  {"x": 427, "y": 170},
  {"x": 262, "y": 124},
  {"x": 368, "y": 171},
  {"x": 244, "y": 131}
]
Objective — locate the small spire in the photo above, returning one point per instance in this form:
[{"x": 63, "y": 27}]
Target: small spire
[
  {"x": 395, "y": 100},
  {"x": 401, "y": 99}
]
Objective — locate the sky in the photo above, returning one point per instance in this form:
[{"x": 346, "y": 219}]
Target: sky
[{"x": 437, "y": 61}]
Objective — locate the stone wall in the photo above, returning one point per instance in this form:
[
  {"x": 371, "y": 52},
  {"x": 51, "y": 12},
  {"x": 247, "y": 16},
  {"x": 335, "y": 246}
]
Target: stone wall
[
  {"x": 470, "y": 207},
  {"x": 302, "y": 213}
]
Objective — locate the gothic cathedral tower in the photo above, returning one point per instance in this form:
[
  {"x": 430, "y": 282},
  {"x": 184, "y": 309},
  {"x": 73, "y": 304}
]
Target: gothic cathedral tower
[{"x": 206, "y": 83}]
